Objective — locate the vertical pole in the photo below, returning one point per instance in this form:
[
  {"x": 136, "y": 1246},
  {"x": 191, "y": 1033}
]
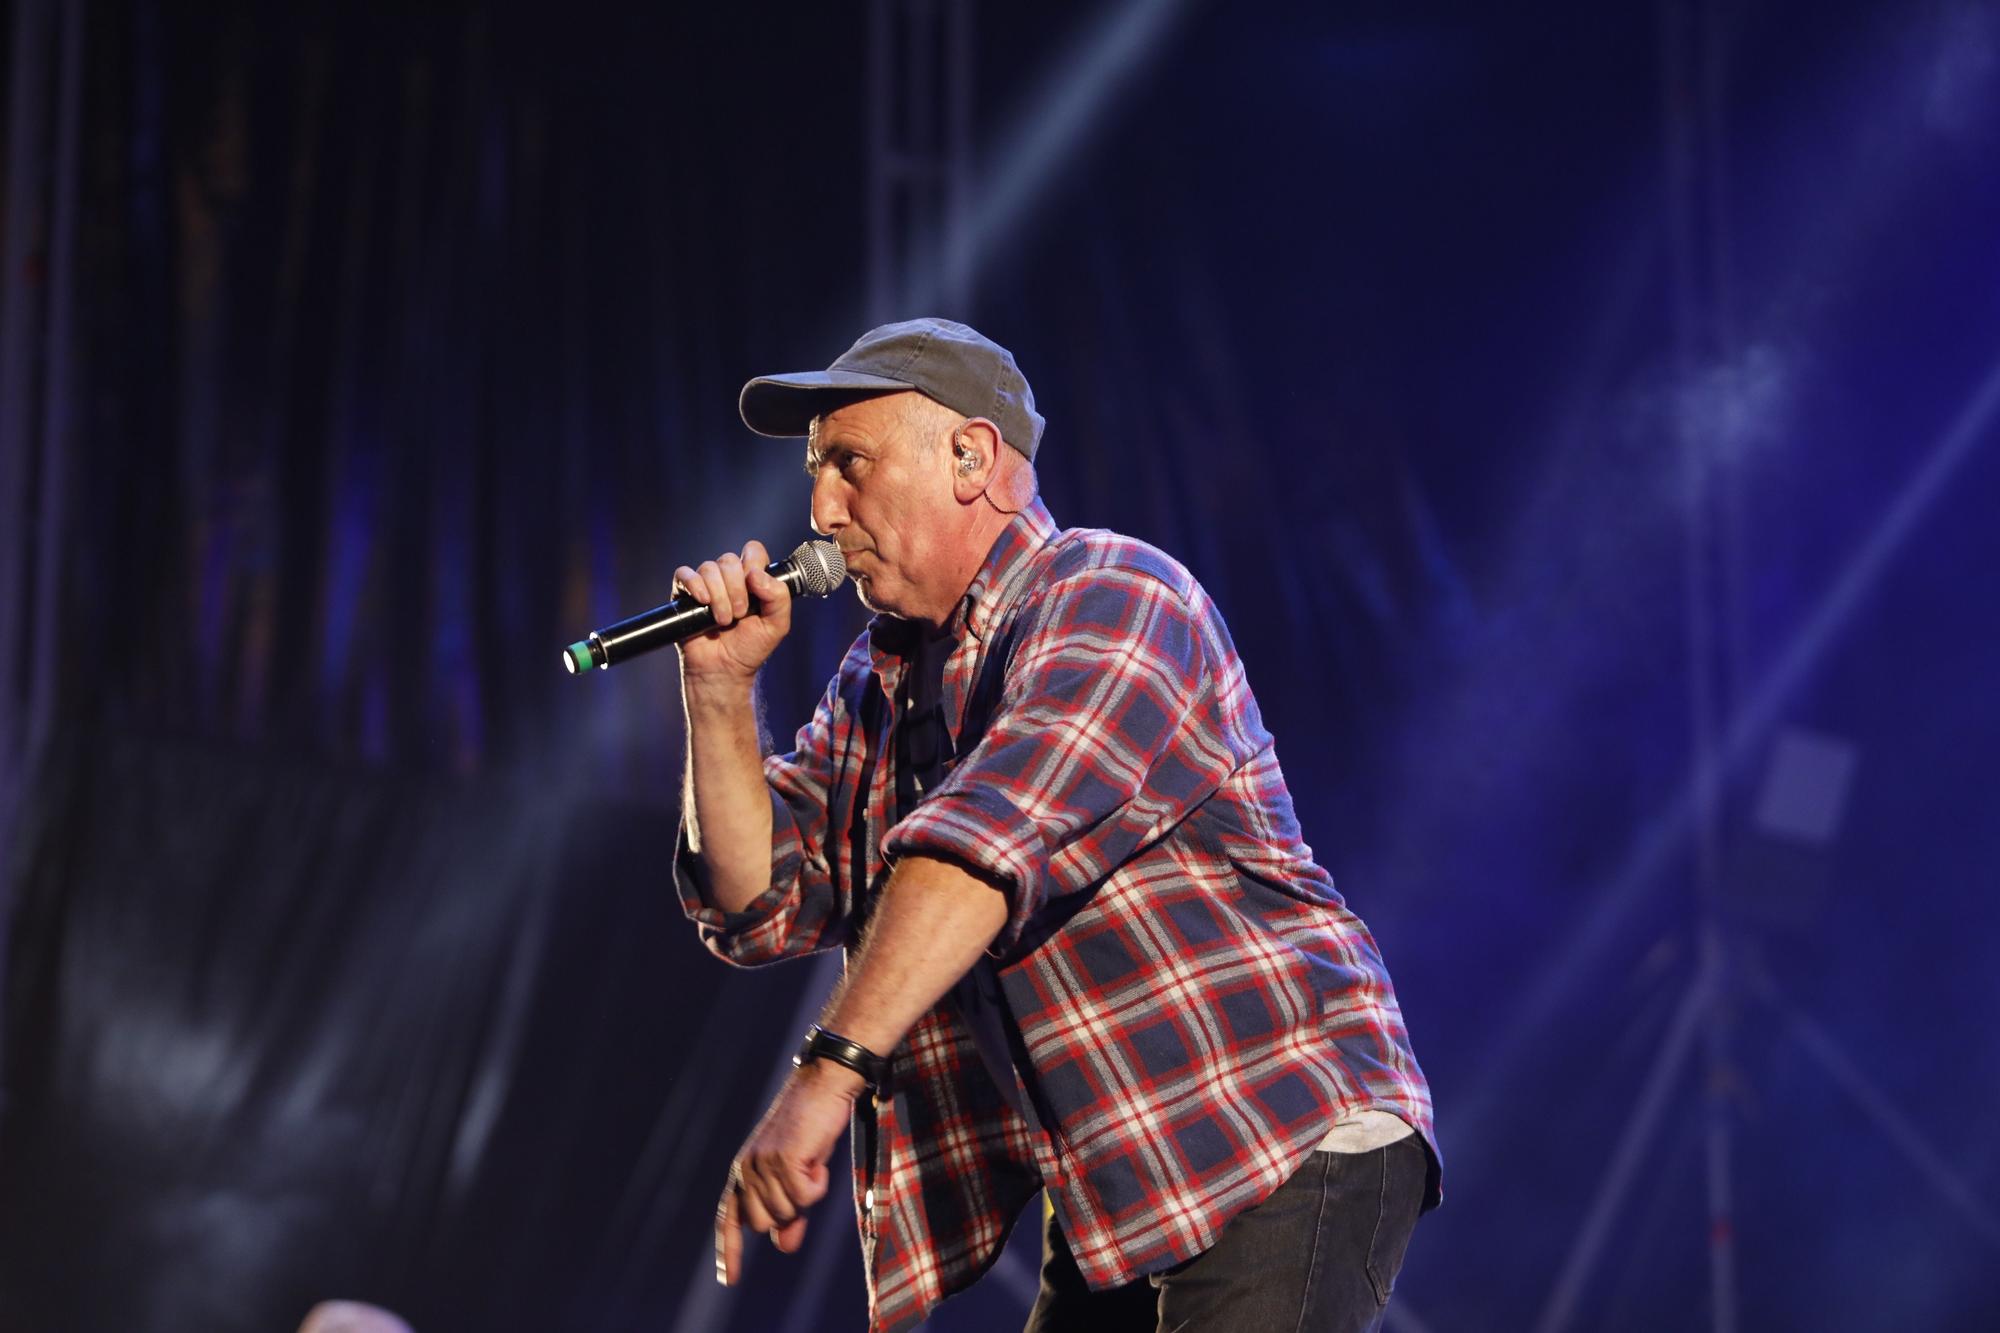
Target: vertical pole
[
  {"x": 22, "y": 291},
  {"x": 37, "y": 360},
  {"x": 1726, "y": 614},
  {"x": 1711, "y": 578},
  {"x": 58, "y": 396},
  {"x": 957, "y": 184},
  {"x": 920, "y": 100},
  {"x": 882, "y": 68},
  {"x": 918, "y": 230},
  {"x": 1657, "y": 1092}
]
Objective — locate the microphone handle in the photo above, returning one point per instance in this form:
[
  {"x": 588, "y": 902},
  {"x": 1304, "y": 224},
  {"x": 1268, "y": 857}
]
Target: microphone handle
[
  {"x": 682, "y": 618},
  {"x": 657, "y": 628}
]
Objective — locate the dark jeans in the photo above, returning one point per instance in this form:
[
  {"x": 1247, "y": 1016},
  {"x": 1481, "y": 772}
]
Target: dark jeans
[{"x": 1321, "y": 1254}]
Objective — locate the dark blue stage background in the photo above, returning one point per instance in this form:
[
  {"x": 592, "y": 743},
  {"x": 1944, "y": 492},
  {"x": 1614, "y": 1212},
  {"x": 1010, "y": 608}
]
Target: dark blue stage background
[{"x": 1586, "y": 416}]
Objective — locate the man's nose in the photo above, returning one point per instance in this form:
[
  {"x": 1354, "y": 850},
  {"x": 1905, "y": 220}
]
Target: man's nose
[{"x": 829, "y": 515}]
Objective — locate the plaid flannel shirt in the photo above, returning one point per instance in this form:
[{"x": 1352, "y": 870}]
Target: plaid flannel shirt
[{"x": 1189, "y": 1003}]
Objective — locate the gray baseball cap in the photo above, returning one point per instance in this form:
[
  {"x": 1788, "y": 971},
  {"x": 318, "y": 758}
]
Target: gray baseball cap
[{"x": 947, "y": 362}]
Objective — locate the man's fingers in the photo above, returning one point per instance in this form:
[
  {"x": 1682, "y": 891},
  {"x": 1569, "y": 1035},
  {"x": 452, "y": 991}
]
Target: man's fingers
[
  {"x": 788, "y": 1238},
  {"x": 717, "y": 589},
  {"x": 774, "y": 599},
  {"x": 767, "y": 1190},
  {"x": 804, "y": 1182},
  {"x": 759, "y": 579},
  {"x": 751, "y": 1208},
  {"x": 733, "y": 586},
  {"x": 728, "y": 1238}
]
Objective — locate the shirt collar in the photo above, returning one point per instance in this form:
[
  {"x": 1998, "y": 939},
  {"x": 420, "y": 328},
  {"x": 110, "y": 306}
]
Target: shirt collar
[
  {"x": 1008, "y": 565},
  {"x": 993, "y": 589}
]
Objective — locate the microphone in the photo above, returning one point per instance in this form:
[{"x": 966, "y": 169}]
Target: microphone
[{"x": 815, "y": 568}]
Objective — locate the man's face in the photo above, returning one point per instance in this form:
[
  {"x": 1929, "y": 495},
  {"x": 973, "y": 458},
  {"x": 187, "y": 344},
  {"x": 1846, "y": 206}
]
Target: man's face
[{"x": 882, "y": 490}]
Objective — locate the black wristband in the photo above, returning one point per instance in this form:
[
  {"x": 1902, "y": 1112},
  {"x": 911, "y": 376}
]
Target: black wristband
[{"x": 831, "y": 1046}]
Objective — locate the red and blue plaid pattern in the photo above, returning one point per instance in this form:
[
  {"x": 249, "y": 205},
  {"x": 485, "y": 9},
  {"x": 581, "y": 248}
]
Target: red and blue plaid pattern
[{"x": 1194, "y": 1002}]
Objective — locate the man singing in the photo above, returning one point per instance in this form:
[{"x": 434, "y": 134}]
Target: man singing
[{"x": 1089, "y": 951}]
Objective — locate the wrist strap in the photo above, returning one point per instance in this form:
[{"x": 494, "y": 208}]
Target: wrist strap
[{"x": 836, "y": 1049}]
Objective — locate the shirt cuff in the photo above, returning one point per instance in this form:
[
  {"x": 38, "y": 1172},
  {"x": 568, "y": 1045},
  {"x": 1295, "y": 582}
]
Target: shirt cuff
[
  {"x": 981, "y": 828},
  {"x": 726, "y": 933}
]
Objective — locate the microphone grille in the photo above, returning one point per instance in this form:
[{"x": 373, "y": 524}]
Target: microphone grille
[{"x": 821, "y": 567}]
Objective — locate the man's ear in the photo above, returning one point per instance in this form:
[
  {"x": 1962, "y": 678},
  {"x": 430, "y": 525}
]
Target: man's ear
[{"x": 975, "y": 454}]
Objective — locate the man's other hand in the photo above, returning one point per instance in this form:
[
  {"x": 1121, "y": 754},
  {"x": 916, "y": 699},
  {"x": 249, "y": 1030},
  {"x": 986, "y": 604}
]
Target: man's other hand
[{"x": 782, "y": 1168}]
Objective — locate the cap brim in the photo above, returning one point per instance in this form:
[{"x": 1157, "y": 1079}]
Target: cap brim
[{"x": 784, "y": 405}]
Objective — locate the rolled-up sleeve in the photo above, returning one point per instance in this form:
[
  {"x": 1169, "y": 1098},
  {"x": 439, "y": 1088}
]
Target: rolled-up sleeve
[
  {"x": 1097, "y": 747},
  {"x": 800, "y": 913}
]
